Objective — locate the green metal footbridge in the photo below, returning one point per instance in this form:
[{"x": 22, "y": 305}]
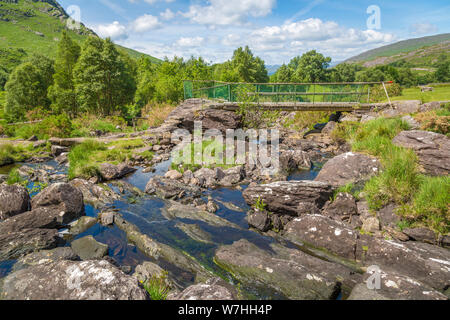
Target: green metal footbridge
[{"x": 342, "y": 96}]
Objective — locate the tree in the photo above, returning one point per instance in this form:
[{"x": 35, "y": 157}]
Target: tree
[
  {"x": 370, "y": 75},
  {"x": 344, "y": 72},
  {"x": 247, "y": 67},
  {"x": 145, "y": 90},
  {"x": 24, "y": 91},
  {"x": 283, "y": 74},
  {"x": 62, "y": 92},
  {"x": 442, "y": 73},
  {"x": 102, "y": 81},
  {"x": 311, "y": 67},
  {"x": 169, "y": 81}
]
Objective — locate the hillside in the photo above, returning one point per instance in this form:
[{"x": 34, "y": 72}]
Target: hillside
[
  {"x": 34, "y": 26},
  {"x": 418, "y": 52}
]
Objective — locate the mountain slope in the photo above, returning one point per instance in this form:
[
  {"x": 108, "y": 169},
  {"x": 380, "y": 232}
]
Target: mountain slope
[
  {"x": 418, "y": 52},
  {"x": 34, "y": 26}
]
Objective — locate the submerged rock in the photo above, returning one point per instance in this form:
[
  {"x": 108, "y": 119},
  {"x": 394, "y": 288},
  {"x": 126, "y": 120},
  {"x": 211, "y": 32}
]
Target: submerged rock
[
  {"x": 290, "y": 197},
  {"x": 213, "y": 289},
  {"x": 194, "y": 232},
  {"x": 87, "y": 248},
  {"x": 158, "y": 251},
  {"x": 72, "y": 280},
  {"x": 433, "y": 149},
  {"x": 290, "y": 272},
  {"x": 13, "y": 200},
  {"x": 82, "y": 224}
]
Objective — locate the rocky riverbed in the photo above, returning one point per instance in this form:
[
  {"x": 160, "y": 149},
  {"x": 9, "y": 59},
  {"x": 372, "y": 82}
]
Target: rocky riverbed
[{"x": 101, "y": 238}]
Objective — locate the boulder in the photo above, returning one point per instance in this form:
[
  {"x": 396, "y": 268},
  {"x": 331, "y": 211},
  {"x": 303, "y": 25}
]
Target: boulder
[
  {"x": 42, "y": 218},
  {"x": 107, "y": 218},
  {"x": 413, "y": 124},
  {"x": 87, "y": 248},
  {"x": 259, "y": 220},
  {"x": 423, "y": 262},
  {"x": 328, "y": 129},
  {"x": 393, "y": 286},
  {"x": 207, "y": 175},
  {"x": 343, "y": 208},
  {"x": 112, "y": 172},
  {"x": 72, "y": 280},
  {"x": 170, "y": 189},
  {"x": 322, "y": 232},
  {"x": 212, "y": 119},
  {"x": 213, "y": 289},
  {"x": 148, "y": 270},
  {"x": 371, "y": 225},
  {"x": 173, "y": 175},
  {"x": 18, "y": 243},
  {"x": 45, "y": 256},
  {"x": 94, "y": 194},
  {"x": 349, "y": 168},
  {"x": 388, "y": 216},
  {"x": 432, "y": 149},
  {"x": 290, "y": 197},
  {"x": 421, "y": 234},
  {"x": 64, "y": 197},
  {"x": 58, "y": 150},
  {"x": 13, "y": 200},
  {"x": 290, "y": 272},
  {"x": 402, "y": 107}
]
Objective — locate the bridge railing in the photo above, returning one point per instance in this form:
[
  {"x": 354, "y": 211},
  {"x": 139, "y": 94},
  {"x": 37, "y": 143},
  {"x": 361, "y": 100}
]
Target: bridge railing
[{"x": 306, "y": 93}]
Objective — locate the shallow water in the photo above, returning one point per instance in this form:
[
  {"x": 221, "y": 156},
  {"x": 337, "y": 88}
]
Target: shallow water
[{"x": 147, "y": 214}]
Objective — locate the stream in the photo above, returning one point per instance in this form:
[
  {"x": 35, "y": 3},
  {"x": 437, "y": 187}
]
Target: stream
[{"x": 147, "y": 213}]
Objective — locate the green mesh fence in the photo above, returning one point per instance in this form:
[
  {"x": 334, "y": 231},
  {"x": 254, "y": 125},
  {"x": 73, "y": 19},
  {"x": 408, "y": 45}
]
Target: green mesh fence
[{"x": 279, "y": 92}]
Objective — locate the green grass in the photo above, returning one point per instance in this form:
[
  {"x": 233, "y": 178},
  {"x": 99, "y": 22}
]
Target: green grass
[
  {"x": 440, "y": 93},
  {"x": 10, "y": 153},
  {"x": 157, "y": 287},
  {"x": 422, "y": 200},
  {"x": 22, "y": 34},
  {"x": 209, "y": 157},
  {"x": 85, "y": 159}
]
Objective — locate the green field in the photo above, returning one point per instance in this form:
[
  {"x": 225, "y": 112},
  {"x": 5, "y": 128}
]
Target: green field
[{"x": 440, "y": 93}]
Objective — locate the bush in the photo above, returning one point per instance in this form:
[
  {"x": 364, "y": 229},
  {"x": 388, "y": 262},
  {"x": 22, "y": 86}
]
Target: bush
[
  {"x": 377, "y": 93},
  {"x": 436, "y": 121},
  {"x": 53, "y": 126}
]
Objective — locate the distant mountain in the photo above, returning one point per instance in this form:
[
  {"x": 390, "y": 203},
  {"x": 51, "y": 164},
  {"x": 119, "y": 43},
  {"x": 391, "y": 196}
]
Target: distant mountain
[
  {"x": 35, "y": 26},
  {"x": 418, "y": 52},
  {"x": 272, "y": 69}
]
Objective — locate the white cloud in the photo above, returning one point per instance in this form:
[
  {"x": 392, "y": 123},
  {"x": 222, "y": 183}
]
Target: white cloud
[
  {"x": 167, "y": 15},
  {"x": 423, "y": 28},
  {"x": 114, "y": 30},
  {"x": 145, "y": 23},
  {"x": 190, "y": 42},
  {"x": 228, "y": 12}
]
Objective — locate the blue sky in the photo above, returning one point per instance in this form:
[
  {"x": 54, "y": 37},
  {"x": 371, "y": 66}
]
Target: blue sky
[{"x": 275, "y": 30}]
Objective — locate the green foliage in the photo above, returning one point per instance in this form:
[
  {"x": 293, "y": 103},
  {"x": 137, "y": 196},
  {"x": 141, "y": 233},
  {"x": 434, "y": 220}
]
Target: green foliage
[
  {"x": 348, "y": 188},
  {"x": 243, "y": 67},
  {"x": 312, "y": 67},
  {"x": 431, "y": 203},
  {"x": 53, "y": 126},
  {"x": 443, "y": 71},
  {"x": 423, "y": 200},
  {"x": 157, "y": 287},
  {"x": 14, "y": 177},
  {"x": 26, "y": 90},
  {"x": 102, "y": 82},
  {"x": 86, "y": 157},
  {"x": 260, "y": 205},
  {"x": 62, "y": 93}
]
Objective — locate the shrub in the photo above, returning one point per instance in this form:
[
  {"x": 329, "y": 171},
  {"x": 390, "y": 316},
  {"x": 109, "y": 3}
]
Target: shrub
[
  {"x": 157, "y": 287},
  {"x": 377, "y": 93},
  {"x": 156, "y": 113},
  {"x": 436, "y": 121}
]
